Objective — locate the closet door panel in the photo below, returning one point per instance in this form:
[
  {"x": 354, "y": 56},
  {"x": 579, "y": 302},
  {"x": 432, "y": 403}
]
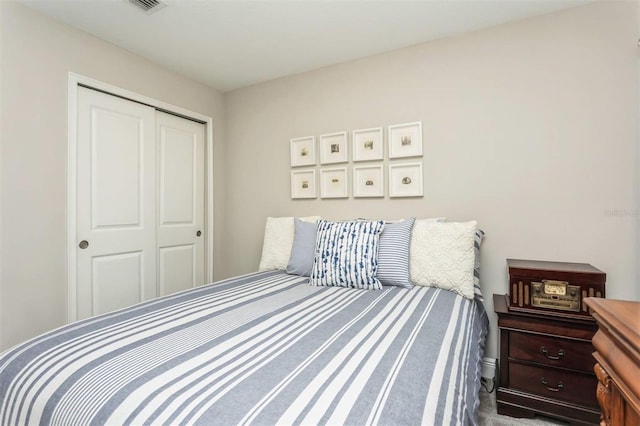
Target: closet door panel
[
  {"x": 116, "y": 203},
  {"x": 117, "y": 173},
  {"x": 117, "y": 281},
  {"x": 181, "y": 202},
  {"x": 177, "y": 268},
  {"x": 178, "y": 169}
]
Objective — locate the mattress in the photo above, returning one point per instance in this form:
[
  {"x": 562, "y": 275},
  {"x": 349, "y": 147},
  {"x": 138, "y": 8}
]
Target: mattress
[{"x": 263, "y": 348}]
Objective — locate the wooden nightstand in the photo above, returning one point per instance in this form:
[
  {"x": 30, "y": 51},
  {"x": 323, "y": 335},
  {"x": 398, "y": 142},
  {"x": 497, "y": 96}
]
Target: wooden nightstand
[{"x": 546, "y": 365}]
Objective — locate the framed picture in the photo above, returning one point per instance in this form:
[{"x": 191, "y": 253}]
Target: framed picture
[
  {"x": 303, "y": 183},
  {"x": 333, "y": 183},
  {"x": 333, "y": 148},
  {"x": 368, "y": 181},
  {"x": 405, "y": 140},
  {"x": 303, "y": 151},
  {"x": 367, "y": 144},
  {"x": 405, "y": 180}
]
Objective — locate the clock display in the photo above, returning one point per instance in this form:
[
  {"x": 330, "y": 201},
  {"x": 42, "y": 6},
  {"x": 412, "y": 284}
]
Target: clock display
[{"x": 556, "y": 288}]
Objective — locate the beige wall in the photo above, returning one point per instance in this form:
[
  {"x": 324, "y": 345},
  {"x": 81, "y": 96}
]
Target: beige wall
[
  {"x": 37, "y": 54},
  {"x": 530, "y": 128}
]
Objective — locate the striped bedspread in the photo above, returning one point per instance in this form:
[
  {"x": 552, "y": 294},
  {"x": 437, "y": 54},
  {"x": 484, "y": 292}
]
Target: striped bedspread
[{"x": 264, "y": 349}]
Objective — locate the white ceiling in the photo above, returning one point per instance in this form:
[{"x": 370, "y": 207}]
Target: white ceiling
[{"x": 235, "y": 43}]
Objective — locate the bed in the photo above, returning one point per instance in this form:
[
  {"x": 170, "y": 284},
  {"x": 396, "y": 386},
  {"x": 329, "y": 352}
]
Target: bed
[{"x": 263, "y": 348}]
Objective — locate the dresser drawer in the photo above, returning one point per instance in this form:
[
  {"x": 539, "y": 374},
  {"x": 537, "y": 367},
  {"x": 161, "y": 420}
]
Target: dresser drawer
[
  {"x": 554, "y": 351},
  {"x": 550, "y": 382}
]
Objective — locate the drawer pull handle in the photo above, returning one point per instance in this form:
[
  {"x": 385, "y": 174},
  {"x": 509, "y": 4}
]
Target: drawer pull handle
[
  {"x": 555, "y": 358},
  {"x": 556, "y": 389}
]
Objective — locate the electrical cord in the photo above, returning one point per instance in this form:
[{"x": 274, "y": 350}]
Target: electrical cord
[{"x": 484, "y": 382}]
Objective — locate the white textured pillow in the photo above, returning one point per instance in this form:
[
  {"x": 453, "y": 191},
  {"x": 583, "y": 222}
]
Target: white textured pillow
[
  {"x": 432, "y": 219},
  {"x": 442, "y": 255},
  {"x": 278, "y": 240}
]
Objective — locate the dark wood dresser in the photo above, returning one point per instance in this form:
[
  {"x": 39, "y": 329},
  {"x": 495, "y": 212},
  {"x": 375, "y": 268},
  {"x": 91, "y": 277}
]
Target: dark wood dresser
[
  {"x": 546, "y": 364},
  {"x": 617, "y": 345}
]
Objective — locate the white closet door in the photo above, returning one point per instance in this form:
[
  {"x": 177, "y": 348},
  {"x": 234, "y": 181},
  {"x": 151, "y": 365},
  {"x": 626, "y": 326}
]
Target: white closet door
[
  {"x": 116, "y": 203},
  {"x": 180, "y": 164}
]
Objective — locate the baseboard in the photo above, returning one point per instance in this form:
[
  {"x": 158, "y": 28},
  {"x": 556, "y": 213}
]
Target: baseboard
[{"x": 489, "y": 368}]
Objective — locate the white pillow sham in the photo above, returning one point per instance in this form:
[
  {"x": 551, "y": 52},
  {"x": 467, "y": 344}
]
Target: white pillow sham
[{"x": 442, "y": 255}]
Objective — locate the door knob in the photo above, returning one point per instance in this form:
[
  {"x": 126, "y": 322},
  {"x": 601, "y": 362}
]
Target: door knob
[
  {"x": 198, "y": 233},
  {"x": 83, "y": 244}
]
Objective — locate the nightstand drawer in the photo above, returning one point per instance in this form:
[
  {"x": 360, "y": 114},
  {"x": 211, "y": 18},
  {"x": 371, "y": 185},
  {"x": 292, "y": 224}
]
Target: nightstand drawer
[
  {"x": 562, "y": 385},
  {"x": 551, "y": 350}
]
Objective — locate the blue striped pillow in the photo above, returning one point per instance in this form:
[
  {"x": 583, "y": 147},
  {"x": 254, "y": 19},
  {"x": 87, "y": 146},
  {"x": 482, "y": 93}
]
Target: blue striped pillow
[
  {"x": 393, "y": 254},
  {"x": 347, "y": 254},
  {"x": 477, "y": 241}
]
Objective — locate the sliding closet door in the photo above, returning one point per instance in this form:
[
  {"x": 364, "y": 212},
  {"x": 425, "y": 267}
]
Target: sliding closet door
[
  {"x": 116, "y": 203},
  {"x": 180, "y": 164},
  {"x": 140, "y": 203}
]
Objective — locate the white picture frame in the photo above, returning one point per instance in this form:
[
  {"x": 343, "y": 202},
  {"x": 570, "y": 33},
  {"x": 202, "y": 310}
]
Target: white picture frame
[
  {"x": 367, "y": 144},
  {"x": 333, "y": 148},
  {"x": 303, "y": 184},
  {"x": 303, "y": 151},
  {"x": 334, "y": 183},
  {"x": 405, "y": 180},
  {"x": 405, "y": 140},
  {"x": 368, "y": 181}
]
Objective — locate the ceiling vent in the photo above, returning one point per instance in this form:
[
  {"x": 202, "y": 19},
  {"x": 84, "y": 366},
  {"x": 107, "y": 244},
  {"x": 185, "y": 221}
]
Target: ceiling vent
[{"x": 149, "y": 6}]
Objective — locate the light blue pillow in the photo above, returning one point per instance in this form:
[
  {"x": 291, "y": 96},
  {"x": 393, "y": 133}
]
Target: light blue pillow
[
  {"x": 347, "y": 254},
  {"x": 303, "y": 249},
  {"x": 393, "y": 254}
]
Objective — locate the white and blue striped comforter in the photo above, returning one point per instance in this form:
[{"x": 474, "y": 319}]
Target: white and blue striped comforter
[{"x": 263, "y": 348}]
